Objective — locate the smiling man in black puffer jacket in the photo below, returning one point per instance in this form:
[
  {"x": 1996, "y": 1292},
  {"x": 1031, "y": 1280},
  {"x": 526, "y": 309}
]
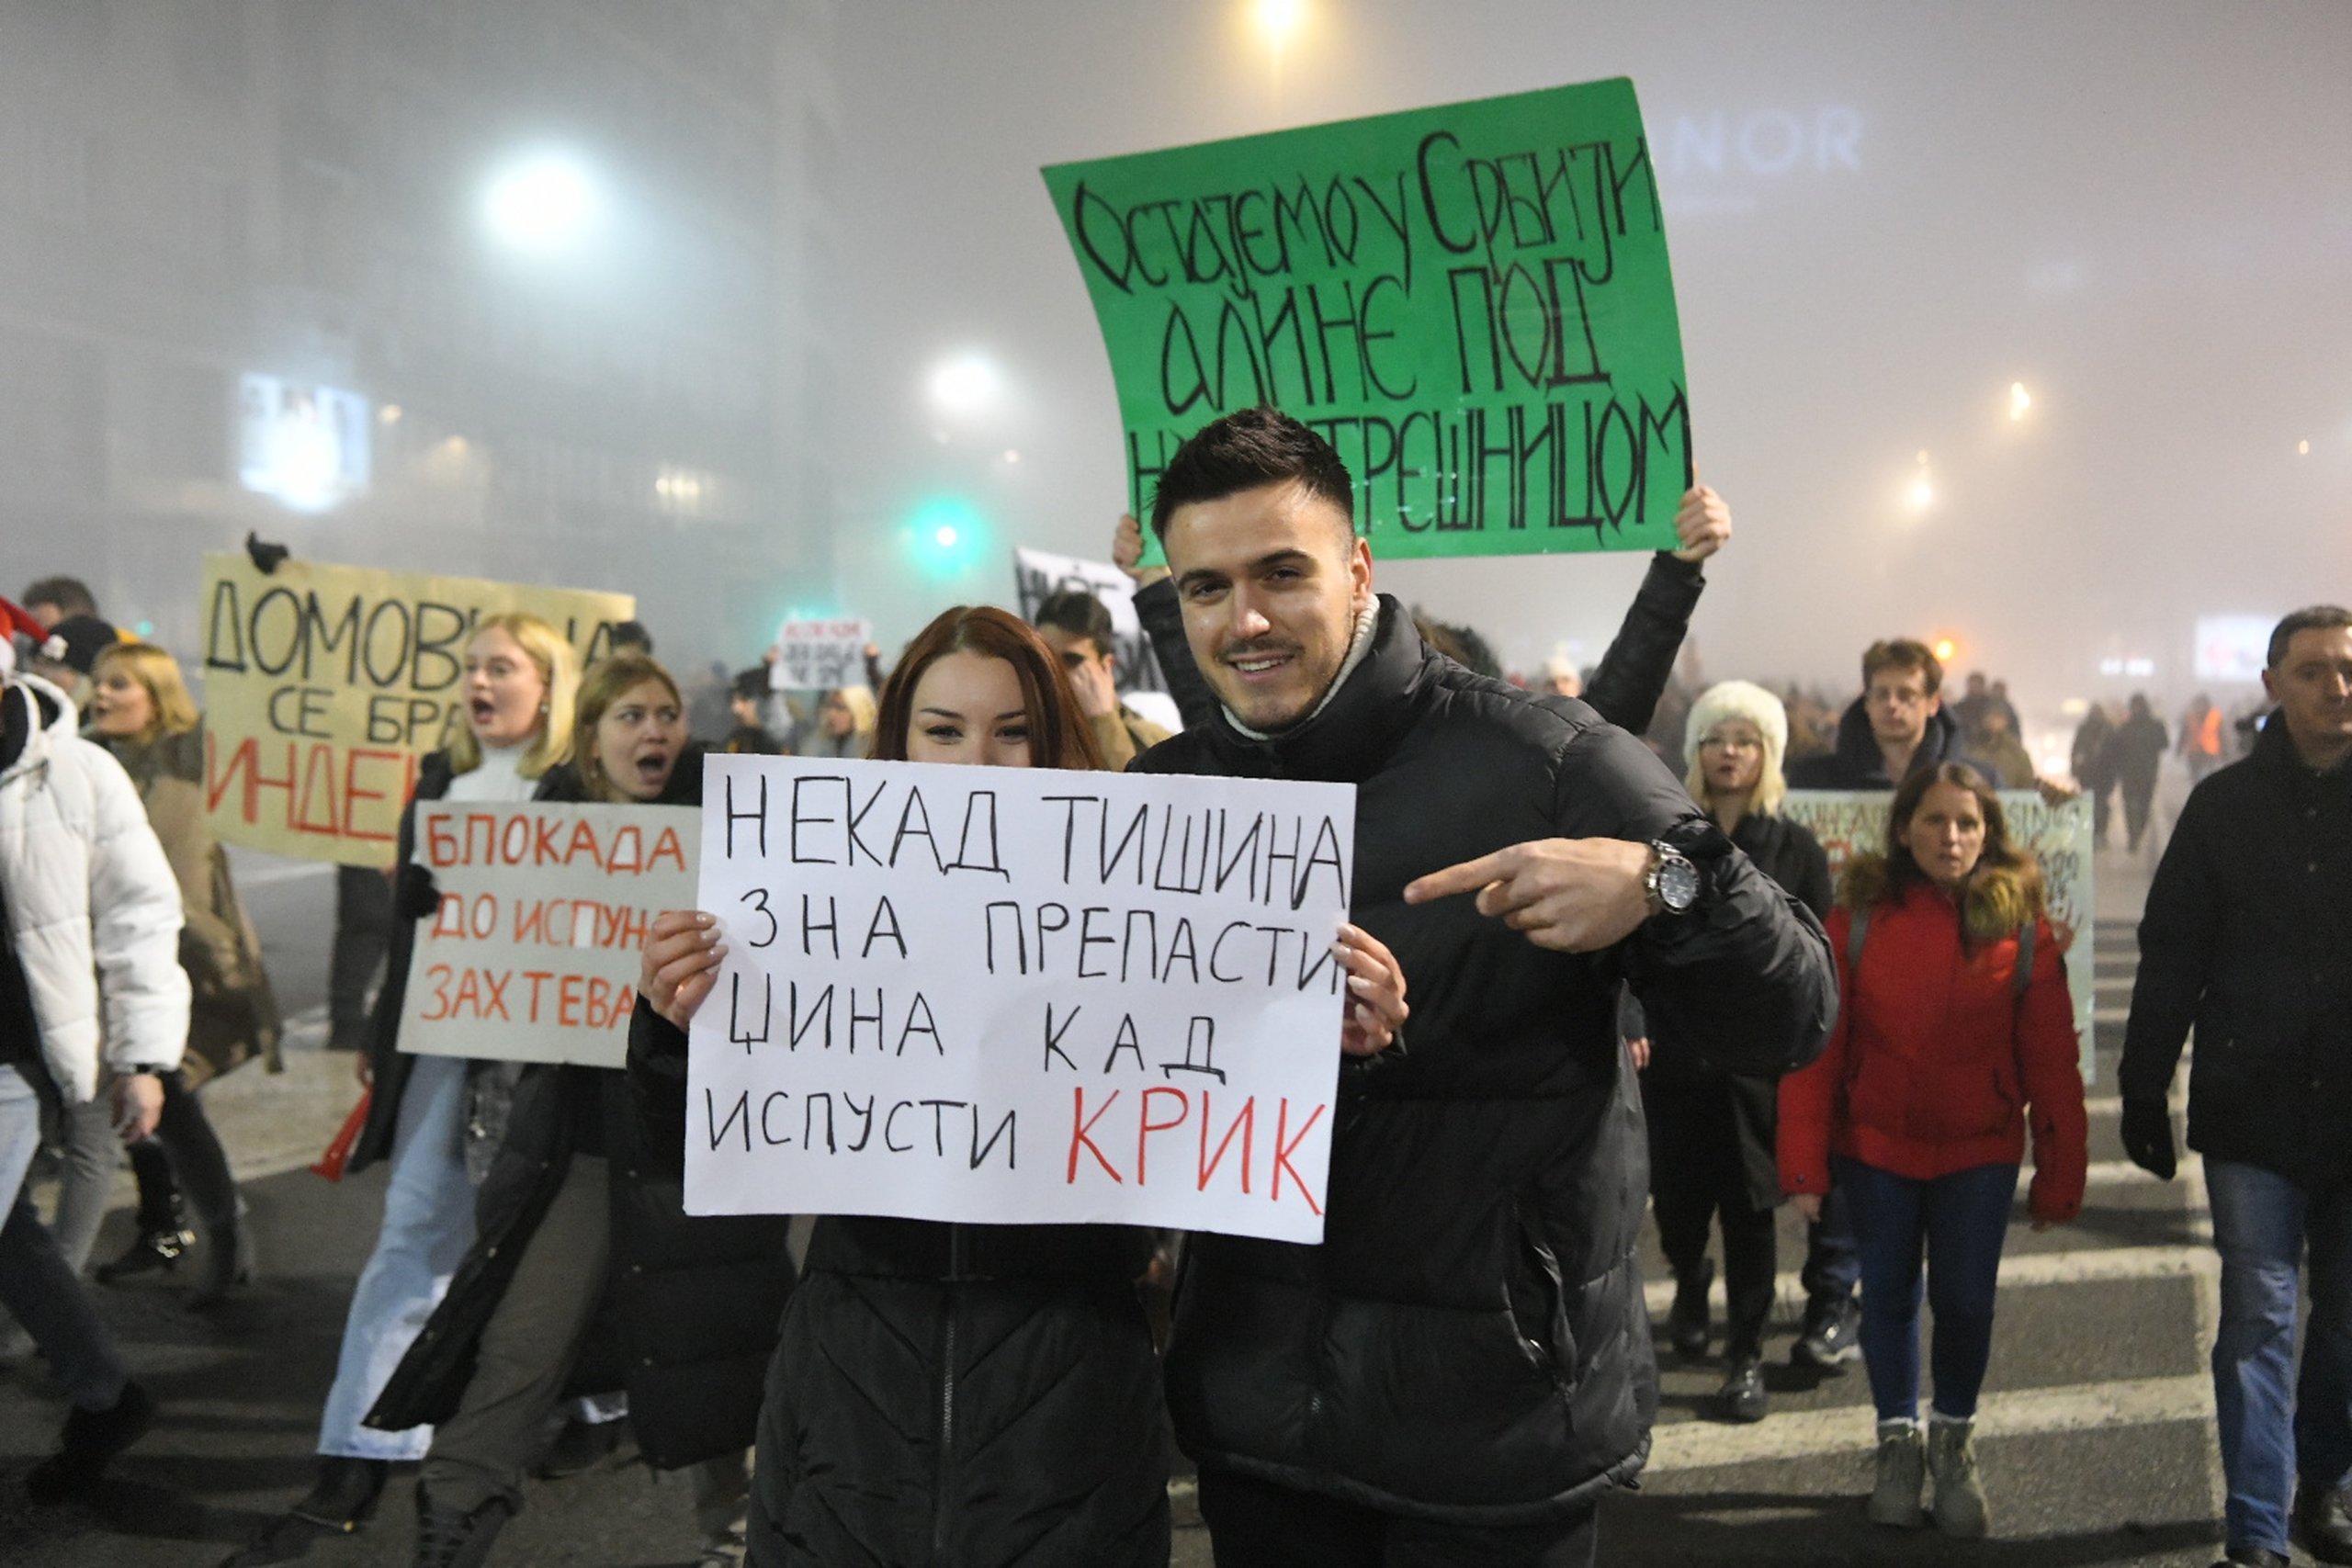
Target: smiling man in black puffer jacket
[{"x": 1463, "y": 1367}]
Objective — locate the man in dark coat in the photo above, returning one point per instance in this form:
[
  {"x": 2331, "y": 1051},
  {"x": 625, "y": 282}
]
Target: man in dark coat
[
  {"x": 2247, "y": 936},
  {"x": 1463, "y": 1367},
  {"x": 2139, "y": 749},
  {"x": 1899, "y": 725}
]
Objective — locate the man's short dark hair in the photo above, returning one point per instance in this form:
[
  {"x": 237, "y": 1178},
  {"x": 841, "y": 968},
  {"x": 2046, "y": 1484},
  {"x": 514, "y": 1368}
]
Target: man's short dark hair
[
  {"x": 1076, "y": 613},
  {"x": 1903, "y": 653},
  {"x": 2311, "y": 618},
  {"x": 1244, "y": 451},
  {"x": 70, "y": 595},
  {"x": 630, "y": 637},
  {"x": 752, "y": 685}
]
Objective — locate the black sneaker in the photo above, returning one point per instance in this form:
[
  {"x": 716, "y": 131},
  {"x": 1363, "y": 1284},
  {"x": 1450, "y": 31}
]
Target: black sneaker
[
  {"x": 2253, "y": 1557},
  {"x": 342, "y": 1499},
  {"x": 450, "y": 1538},
  {"x": 92, "y": 1439},
  {"x": 1742, "y": 1397},
  {"x": 2324, "y": 1523},
  {"x": 1832, "y": 1336},
  {"x": 1686, "y": 1320}
]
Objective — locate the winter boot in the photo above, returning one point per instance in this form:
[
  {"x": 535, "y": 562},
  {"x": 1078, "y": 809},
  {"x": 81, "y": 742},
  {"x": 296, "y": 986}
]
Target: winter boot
[
  {"x": 1959, "y": 1506},
  {"x": 163, "y": 1234},
  {"x": 92, "y": 1439},
  {"x": 1902, "y": 1471},
  {"x": 1686, "y": 1320}
]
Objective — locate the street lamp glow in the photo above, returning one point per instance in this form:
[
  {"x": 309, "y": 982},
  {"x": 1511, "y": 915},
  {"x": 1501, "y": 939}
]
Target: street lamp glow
[
  {"x": 1923, "y": 494},
  {"x": 541, "y": 203},
  {"x": 965, "y": 385},
  {"x": 944, "y": 536},
  {"x": 2020, "y": 399},
  {"x": 1278, "y": 19}
]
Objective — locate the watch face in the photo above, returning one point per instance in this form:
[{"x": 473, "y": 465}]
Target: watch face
[{"x": 1677, "y": 884}]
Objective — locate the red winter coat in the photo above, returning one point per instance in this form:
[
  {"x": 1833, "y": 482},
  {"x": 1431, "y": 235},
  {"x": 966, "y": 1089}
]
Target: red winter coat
[{"x": 1937, "y": 1066}]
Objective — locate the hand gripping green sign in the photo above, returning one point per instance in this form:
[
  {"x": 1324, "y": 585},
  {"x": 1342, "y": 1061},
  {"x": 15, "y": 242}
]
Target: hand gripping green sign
[{"x": 1471, "y": 303}]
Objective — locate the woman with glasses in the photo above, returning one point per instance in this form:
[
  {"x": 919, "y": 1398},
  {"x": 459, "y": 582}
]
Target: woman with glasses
[{"x": 1712, "y": 1132}]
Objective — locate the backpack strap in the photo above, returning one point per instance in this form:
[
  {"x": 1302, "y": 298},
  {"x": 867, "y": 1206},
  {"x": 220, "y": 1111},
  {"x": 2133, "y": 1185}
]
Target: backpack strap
[
  {"x": 1855, "y": 935},
  {"x": 2025, "y": 961}
]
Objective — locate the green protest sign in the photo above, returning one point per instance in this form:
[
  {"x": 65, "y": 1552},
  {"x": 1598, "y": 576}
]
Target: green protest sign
[{"x": 1470, "y": 302}]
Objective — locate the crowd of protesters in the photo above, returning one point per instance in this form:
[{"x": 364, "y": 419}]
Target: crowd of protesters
[{"x": 1464, "y": 1365}]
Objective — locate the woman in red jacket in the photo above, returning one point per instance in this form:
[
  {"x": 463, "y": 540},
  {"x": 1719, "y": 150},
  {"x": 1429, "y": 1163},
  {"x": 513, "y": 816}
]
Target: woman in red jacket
[{"x": 1952, "y": 1042}]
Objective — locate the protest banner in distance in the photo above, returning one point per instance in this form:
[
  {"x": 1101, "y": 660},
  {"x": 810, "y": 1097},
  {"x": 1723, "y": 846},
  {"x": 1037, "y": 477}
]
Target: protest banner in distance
[
  {"x": 325, "y": 685},
  {"x": 532, "y": 955},
  {"x": 819, "y": 656},
  {"x": 1851, "y": 822},
  {"x": 1004, "y": 995},
  {"x": 1039, "y": 574},
  {"x": 1471, "y": 304}
]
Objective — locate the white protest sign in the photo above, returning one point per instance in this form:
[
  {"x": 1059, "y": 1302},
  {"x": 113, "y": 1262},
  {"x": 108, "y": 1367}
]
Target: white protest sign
[
  {"x": 1001, "y": 995},
  {"x": 1849, "y": 822},
  {"x": 1038, "y": 574},
  {"x": 532, "y": 955},
  {"x": 818, "y": 655}
]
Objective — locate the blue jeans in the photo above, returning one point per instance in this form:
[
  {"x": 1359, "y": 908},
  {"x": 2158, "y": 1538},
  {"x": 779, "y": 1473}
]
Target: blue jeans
[
  {"x": 36, "y": 1284},
  {"x": 428, "y": 1225},
  {"x": 1960, "y": 1222},
  {"x": 2274, "y": 1429}
]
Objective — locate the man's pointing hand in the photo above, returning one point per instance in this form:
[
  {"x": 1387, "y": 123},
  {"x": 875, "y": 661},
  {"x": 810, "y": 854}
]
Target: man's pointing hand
[{"x": 1571, "y": 894}]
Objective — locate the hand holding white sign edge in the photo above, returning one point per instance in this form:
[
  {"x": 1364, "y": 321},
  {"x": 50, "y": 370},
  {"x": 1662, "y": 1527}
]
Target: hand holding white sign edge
[{"x": 1004, "y": 996}]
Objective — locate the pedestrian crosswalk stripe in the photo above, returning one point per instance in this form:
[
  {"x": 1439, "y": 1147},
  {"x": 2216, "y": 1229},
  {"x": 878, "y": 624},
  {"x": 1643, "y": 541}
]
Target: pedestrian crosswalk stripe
[
  {"x": 1803, "y": 1434},
  {"x": 2023, "y": 1270}
]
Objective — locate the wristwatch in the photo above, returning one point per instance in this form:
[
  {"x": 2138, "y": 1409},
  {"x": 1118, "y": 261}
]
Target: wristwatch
[{"x": 1672, "y": 881}]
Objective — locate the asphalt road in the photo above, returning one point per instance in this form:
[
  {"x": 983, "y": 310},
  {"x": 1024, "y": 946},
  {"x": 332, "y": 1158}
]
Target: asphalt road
[{"x": 2096, "y": 1435}]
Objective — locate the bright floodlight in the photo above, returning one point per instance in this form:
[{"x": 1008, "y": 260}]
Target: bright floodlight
[
  {"x": 542, "y": 203},
  {"x": 964, "y": 385},
  {"x": 2020, "y": 399},
  {"x": 945, "y": 537},
  {"x": 1923, "y": 494},
  {"x": 1278, "y": 19}
]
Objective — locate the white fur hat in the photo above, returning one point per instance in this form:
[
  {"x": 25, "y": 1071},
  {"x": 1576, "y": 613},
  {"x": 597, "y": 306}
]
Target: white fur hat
[{"x": 1742, "y": 699}]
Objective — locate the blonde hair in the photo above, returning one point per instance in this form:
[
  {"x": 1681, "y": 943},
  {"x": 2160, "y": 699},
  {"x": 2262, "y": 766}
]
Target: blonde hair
[
  {"x": 558, "y": 666},
  {"x": 859, "y": 700},
  {"x": 608, "y": 681},
  {"x": 158, "y": 673}
]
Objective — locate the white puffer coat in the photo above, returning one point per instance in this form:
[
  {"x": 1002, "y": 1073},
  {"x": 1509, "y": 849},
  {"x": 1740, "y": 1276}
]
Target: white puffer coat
[{"x": 92, "y": 908}]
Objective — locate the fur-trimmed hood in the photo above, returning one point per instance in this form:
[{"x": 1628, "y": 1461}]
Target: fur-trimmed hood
[{"x": 1997, "y": 901}]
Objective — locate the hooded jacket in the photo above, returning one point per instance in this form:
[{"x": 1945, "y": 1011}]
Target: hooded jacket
[
  {"x": 1468, "y": 1342},
  {"x": 1857, "y": 764},
  {"x": 92, "y": 912},
  {"x": 1935, "y": 1065},
  {"x": 2247, "y": 935}
]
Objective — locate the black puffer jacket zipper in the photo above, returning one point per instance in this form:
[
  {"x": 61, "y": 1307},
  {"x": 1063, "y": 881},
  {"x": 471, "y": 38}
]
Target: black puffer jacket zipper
[{"x": 943, "y": 1475}]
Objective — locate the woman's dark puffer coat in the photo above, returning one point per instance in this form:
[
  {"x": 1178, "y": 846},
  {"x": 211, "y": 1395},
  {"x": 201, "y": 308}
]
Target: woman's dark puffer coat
[
  {"x": 692, "y": 1305},
  {"x": 949, "y": 1395}
]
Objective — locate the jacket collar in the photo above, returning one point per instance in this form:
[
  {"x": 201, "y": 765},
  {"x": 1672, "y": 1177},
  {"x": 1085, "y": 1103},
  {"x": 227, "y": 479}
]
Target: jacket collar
[
  {"x": 1350, "y": 738},
  {"x": 1858, "y": 747},
  {"x": 2274, "y": 750}
]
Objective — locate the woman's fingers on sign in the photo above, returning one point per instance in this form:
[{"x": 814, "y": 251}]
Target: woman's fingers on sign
[{"x": 681, "y": 963}]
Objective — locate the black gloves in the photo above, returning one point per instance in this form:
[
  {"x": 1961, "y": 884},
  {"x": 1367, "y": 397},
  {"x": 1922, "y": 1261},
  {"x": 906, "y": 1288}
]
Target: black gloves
[
  {"x": 2147, "y": 1136},
  {"x": 414, "y": 893}
]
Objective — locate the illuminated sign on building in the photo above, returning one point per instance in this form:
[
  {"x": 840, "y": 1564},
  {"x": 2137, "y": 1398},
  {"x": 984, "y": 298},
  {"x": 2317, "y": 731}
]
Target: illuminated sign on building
[
  {"x": 304, "y": 446},
  {"x": 2232, "y": 647}
]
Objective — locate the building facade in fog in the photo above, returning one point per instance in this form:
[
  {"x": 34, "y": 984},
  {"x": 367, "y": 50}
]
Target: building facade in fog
[{"x": 535, "y": 289}]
